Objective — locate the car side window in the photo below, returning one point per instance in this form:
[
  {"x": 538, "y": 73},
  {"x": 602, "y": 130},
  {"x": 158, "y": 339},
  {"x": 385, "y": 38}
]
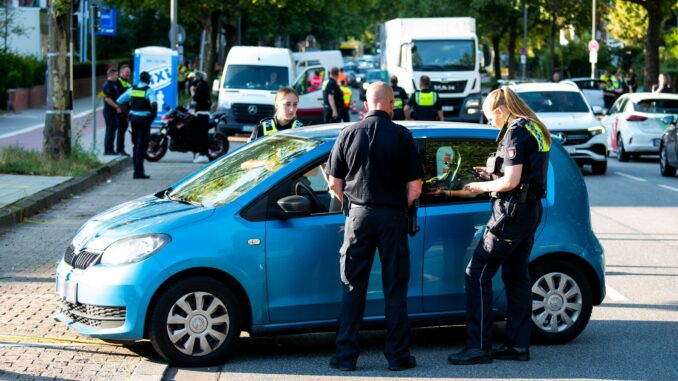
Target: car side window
[
  {"x": 311, "y": 183},
  {"x": 447, "y": 167}
]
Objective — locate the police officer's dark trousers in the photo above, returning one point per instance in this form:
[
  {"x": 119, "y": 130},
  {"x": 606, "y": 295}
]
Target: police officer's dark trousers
[
  {"x": 111, "y": 120},
  {"x": 141, "y": 131},
  {"x": 367, "y": 229},
  {"x": 509, "y": 245},
  {"x": 328, "y": 115},
  {"x": 120, "y": 134}
]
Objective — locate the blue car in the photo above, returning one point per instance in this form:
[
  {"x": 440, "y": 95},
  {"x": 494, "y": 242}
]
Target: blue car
[{"x": 251, "y": 243}]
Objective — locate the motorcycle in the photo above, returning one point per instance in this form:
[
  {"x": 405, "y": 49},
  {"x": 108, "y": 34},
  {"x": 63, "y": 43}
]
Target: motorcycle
[{"x": 175, "y": 135}]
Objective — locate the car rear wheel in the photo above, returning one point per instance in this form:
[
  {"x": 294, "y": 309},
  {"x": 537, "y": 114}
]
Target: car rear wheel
[
  {"x": 622, "y": 155},
  {"x": 664, "y": 167},
  {"x": 561, "y": 302},
  {"x": 599, "y": 167},
  {"x": 195, "y": 322}
]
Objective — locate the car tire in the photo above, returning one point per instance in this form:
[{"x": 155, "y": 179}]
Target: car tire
[
  {"x": 195, "y": 322},
  {"x": 599, "y": 167},
  {"x": 622, "y": 155},
  {"x": 665, "y": 168},
  {"x": 561, "y": 302}
]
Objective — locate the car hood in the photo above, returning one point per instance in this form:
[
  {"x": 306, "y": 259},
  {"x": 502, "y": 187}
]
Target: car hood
[
  {"x": 561, "y": 121},
  {"x": 147, "y": 214}
]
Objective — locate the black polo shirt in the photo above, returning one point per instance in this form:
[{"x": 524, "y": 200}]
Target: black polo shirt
[
  {"x": 333, "y": 90},
  {"x": 520, "y": 146},
  {"x": 110, "y": 91},
  {"x": 376, "y": 158}
]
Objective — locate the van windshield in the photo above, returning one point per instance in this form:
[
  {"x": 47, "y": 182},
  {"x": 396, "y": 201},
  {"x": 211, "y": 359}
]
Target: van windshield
[
  {"x": 443, "y": 55},
  {"x": 256, "y": 77}
]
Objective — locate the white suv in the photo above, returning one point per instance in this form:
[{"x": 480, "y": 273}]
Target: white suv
[{"x": 568, "y": 116}]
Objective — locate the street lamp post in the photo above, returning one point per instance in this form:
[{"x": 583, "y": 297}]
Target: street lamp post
[
  {"x": 593, "y": 38},
  {"x": 173, "y": 24}
]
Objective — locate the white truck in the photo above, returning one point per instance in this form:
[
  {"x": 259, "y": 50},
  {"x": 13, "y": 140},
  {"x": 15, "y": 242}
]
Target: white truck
[{"x": 443, "y": 48}]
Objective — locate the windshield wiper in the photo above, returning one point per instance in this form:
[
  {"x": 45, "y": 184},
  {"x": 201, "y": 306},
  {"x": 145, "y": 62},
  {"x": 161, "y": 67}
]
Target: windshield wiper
[{"x": 181, "y": 200}]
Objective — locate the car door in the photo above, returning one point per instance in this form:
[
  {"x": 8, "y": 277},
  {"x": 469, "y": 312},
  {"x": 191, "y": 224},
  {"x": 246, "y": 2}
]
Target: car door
[
  {"x": 302, "y": 257},
  {"x": 453, "y": 219},
  {"x": 310, "y": 109}
]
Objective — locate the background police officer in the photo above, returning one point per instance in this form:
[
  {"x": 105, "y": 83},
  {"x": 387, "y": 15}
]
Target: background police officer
[
  {"x": 111, "y": 112},
  {"x": 400, "y": 97},
  {"x": 333, "y": 98},
  {"x": 143, "y": 109},
  {"x": 124, "y": 84},
  {"x": 519, "y": 171},
  {"x": 285, "y": 117},
  {"x": 424, "y": 103},
  {"x": 202, "y": 103},
  {"x": 375, "y": 165}
]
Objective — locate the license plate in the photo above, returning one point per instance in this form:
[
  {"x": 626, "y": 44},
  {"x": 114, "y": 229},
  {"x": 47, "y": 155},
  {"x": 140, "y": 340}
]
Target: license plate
[
  {"x": 248, "y": 128},
  {"x": 570, "y": 150},
  {"x": 655, "y": 142},
  {"x": 68, "y": 290},
  {"x": 448, "y": 108}
]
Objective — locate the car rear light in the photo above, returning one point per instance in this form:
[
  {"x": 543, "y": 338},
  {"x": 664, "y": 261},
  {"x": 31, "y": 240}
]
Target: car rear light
[{"x": 636, "y": 118}]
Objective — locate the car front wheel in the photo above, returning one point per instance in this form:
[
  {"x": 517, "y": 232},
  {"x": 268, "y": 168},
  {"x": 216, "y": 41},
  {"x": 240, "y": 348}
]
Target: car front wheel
[
  {"x": 195, "y": 322},
  {"x": 561, "y": 302},
  {"x": 599, "y": 167},
  {"x": 664, "y": 167}
]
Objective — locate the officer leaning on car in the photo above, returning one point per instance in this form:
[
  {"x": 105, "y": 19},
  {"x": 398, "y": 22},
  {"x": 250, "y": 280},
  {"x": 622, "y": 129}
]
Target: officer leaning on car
[
  {"x": 518, "y": 172},
  {"x": 375, "y": 170}
]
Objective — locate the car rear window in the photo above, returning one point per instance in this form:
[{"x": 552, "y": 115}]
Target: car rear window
[
  {"x": 554, "y": 101},
  {"x": 657, "y": 106}
]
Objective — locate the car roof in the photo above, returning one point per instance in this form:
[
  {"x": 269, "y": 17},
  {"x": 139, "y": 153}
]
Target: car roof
[
  {"x": 545, "y": 86},
  {"x": 419, "y": 129},
  {"x": 637, "y": 97}
]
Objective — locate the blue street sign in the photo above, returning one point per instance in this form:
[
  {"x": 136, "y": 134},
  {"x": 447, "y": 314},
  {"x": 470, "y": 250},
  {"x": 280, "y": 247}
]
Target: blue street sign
[{"x": 107, "y": 22}]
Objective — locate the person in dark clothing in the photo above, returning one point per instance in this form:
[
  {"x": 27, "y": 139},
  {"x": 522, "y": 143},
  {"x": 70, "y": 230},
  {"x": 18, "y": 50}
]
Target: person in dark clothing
[
  {"x": 200, "y": 126},
  {"x": 285, "y": 117},
  {"x": 333, "y": 98},
  {"x": 143, "y": 109},
  {"x": 375, "y": 171},
  {"x": 124, "y": 83},
  {"x": 425, "y": 104},
  {"x": 632, "y": 80},
  {"x": 111, "y": 111},
  {"x": 664, "y": 85},
  {"x": 400, "y": 97},
  {"x": 518, "y": 170}
]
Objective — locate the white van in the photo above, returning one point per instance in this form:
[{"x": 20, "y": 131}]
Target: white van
[{"x": 251, "y": 77}]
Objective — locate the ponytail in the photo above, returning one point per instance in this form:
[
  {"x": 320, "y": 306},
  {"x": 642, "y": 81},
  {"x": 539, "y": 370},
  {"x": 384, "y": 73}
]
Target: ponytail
[{"x": 516, "y": 107}]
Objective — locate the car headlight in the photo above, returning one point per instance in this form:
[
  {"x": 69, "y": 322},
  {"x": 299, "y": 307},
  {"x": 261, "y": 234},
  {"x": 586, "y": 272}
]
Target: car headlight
[
  {"x": 134, "y": 249},
  {"x": 597, "y": 130}
]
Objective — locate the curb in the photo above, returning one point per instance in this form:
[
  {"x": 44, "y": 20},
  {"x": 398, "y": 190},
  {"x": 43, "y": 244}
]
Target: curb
[{"x": 28, "y": 206}]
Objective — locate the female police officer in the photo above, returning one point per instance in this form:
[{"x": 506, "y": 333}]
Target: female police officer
[
  {"x": 286, "y": 103},
  {"x": 518, "y": 170}
]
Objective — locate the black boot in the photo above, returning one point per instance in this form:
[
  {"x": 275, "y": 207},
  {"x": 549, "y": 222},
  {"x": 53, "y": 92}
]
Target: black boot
[{"x": 470, "y": 356}]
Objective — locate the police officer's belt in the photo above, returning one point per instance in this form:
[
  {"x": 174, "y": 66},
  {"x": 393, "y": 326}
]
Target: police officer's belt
[
  {"x": 373, "y": 206},
  {"x": 524, "y": 193}
]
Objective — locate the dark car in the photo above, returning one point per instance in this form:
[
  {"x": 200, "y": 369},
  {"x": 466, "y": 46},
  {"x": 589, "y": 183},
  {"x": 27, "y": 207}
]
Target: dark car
[{"x": 668, "y": 147}]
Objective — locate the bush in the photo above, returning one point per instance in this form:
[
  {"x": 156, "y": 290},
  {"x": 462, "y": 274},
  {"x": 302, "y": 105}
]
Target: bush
[{"x": 19, "y": 71}]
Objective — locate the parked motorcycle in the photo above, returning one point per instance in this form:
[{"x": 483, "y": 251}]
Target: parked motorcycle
[{"x": 175, "y": 135}]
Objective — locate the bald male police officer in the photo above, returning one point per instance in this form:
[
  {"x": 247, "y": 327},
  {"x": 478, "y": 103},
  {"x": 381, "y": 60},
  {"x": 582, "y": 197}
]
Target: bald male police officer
[{"x": 375, "y": 165}]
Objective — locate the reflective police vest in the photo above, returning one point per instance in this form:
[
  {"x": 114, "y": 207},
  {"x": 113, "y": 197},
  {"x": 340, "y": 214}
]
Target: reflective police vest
[
  {"x": 425, "y": 99},
  {"x": 538, "y": 135},
  {"x": 398, "y": 103},
  {"x": 269, "y": 126},
  {"x": 347, "y": 95},
  {"x": 615, "y": 82},
  {"x": 124, "y": 83},
  {"x": 324, "y": 85},
  {"x": 139, "y": 101}
]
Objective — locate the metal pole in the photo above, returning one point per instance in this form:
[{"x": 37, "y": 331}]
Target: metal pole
[
  {"x": 593, "y": 37},
  {"x": 525, "y": 38},
  {"x": 173, "y": 26},
  {"x": 94, "y": 78}
]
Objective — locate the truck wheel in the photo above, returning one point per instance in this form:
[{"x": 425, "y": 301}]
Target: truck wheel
[{"x": 195, "y": 322}]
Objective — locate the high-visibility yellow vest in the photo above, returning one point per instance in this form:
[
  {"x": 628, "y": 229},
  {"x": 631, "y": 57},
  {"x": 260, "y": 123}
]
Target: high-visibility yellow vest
[
  {"x": 269, "y": 126},
  {"x": 347, "y": 95},
  {"x": 124, "y": 83},
  {"x": 425, "y": 99},
  {"x": 535, "y": 131}
]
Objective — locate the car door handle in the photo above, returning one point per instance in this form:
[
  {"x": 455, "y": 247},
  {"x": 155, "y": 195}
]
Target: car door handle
[{"x": 253, "y": 241}]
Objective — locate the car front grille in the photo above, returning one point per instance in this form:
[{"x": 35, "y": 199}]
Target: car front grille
[
  {"x": 82, "y": 259},
  {"x": 448, "y": 87},
  {"x": 573, "y": 137},
  {"x": 456, "y": 102},
  {"x": 251, "y": 113},
  {"x": 91, "y": 315}
]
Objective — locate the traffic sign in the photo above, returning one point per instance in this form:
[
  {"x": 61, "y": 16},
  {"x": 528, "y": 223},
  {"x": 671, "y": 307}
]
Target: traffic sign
[
  {"x": 593, "y": 46},
  {"x": 107, "y": 21},
  {"x": 593, "y": 56}
]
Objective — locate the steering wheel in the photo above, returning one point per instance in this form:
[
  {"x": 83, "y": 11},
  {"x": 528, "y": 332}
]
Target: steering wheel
[{"x": 314, "y": 199}]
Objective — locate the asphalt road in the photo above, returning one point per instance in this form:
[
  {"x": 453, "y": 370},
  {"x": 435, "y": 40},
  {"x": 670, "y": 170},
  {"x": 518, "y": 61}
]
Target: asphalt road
[{"x": 632, "y": 336}]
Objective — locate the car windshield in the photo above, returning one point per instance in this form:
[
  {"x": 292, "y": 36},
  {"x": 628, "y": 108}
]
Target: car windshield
[
  {"x": 256, "y": 77},
  {"x": 373, "y": 76},
  {"x": 554, "y": 101},
  {"x": 443, "y": 55},
  {"x": 657, "y": 106},
  {"x": 239, "y": 172}
]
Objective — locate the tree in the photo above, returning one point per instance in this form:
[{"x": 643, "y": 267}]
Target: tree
[
  {"x": 57, "y": 132},
  {"x": 627, "y": 22}
]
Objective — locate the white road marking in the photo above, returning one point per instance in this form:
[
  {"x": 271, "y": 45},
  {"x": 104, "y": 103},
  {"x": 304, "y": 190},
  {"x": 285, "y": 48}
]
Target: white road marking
[
  {"x": 630, "y": 177},
  {"x": 615, "y": 295},
  {"x": 41, "y": 125},
  {"x": 668, "y": 187}
]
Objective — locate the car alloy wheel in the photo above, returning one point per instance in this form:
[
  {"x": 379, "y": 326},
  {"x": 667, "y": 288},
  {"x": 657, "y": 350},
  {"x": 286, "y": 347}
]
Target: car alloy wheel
[{"x": 561, "y": 302}]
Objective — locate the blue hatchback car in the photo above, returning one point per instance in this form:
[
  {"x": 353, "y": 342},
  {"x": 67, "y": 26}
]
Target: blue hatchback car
[{"x": 251, "y": 243}]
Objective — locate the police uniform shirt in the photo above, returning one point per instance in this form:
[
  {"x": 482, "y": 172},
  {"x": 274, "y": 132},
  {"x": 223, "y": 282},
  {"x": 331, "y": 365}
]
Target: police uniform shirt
[
  {"x": 127, "y": 96},
  {"x": 425, "y": 112},
  {"x": 111, "y": 91},
  {"x": 524, "y": 144},
  {"x": 332, "y": 89},
  {"x": 400, "y": 93},
  {"x": 259, "y": 131},
  {"x": 376, "y": 158}
]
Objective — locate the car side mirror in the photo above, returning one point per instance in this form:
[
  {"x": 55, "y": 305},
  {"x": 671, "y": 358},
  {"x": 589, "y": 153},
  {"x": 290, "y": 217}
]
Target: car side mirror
[
  {"x": 597, "y": 110},
  {"x": 669, "y": 119},
  {"x": 295, "y": 206}
]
